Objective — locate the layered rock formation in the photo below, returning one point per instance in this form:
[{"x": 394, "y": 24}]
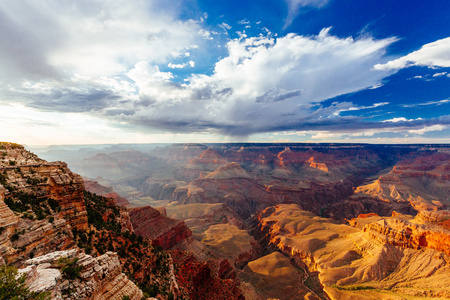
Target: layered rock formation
[
  {"x": 25, "y": 175},
  {"x": 162, "y": 230},
  {"x": 93, "y": 278},
  {"x": 201, "y": 279},
  {"x": 281, "y": 190},
  {"x": 408, "y": 234},
  {"x": 7, "y": 217},
  {"x": 96, "y": 188},
  {"x": 416, "y": 184},
  {"x": 378, "y": 258},
  {"x": 209, "y": 160},
  {"x": 44, "y": 207},
  {"x": 47, "y": 199},
  {"x": 230, "y": 170}
]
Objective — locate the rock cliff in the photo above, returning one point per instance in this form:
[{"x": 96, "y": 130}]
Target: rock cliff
[
  {"x": 96, "y": 188},
  {"x": 44, "y": 207},
  {"x": 162, "y": 230},
  {"x": 421, "y": 183},
  {"x": 87, "y": 278},
  {"x": 379, "y": 255},
  {"x": 29, "y": 180},
  {"x": 406, "y": 234},
  {"x": 201, "y": 280},
  {"x": 209, "y": 160}
]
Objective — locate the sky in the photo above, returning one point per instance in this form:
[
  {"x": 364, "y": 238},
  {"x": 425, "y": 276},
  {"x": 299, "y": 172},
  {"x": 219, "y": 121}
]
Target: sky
[{"x": 150, "y": 71}]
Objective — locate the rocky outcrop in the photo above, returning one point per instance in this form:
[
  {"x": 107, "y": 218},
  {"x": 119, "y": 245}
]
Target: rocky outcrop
[
  {"x": 7, "y": 217},
  {"x": 49, "y": 180},
  {"x": 66, "y": 188},
  {"x": 161, "y": 188},
  {"x": 96, "y": 188},
  {"x": 230, "y": 170},
  {"x": 94, "y": 278},
  {"x": 316, "y": 165},
  {"x": 201, "y": 281},
  {"x": 382, "y": 256},
  {"x": 403, "y": 233},
  {"x": 162, "y": 230},
  {"x": 208, "y": 160},
  {"x": 25, "y": 176},
  {"x": 421, "y": 182},
  {"x": 30, "y": 238}
]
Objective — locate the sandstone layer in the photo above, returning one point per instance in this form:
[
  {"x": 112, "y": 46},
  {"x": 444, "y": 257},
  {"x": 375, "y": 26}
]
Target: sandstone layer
[
  {"x": 162, "y": 230},
  {"x": 381, "y": 260}
]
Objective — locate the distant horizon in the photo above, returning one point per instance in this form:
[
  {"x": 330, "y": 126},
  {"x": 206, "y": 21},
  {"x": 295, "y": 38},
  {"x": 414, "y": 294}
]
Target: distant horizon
[{"x": 237, "y": 143}]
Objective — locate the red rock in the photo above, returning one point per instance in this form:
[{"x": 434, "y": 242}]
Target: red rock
[
  {"x": 163, "y": 231},
  {"x": 405, "y": 234},
  {"x": 208, "y": 160},
  {"x": 201, "y": 281}
]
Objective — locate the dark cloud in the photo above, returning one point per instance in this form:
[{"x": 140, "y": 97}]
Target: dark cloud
[
  {"x": 71, "y": 100},
  {"x": 145, "y": 101},
  {"x": 208, "y": 92},
  {"x": 116, "y": 112},
  {"x": 273, "y": 96}
]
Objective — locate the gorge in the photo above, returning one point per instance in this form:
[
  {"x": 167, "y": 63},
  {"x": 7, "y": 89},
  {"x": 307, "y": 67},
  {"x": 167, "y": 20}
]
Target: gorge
[{"x": 229, "y": 221}]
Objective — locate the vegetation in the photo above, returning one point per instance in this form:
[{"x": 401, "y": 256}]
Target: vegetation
[
  {"x": 41, "y": 206},
  {"x": 353, "y": 287},
  {"x": 7, "y": 145},
  {"x": 96, "y": 207},
  {"x": 13, "y": 287},
  {"x": 69, "y": 268},
  {"x": 146, "y": 265}
]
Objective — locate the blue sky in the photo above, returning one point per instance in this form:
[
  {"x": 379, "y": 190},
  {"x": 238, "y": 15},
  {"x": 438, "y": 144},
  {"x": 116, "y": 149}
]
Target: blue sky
[{"x": 219, "y": 71}]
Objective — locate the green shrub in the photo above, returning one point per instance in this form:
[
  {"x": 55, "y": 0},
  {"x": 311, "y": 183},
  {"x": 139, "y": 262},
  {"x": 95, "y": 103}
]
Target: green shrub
[{"x": 69, "y": 268}]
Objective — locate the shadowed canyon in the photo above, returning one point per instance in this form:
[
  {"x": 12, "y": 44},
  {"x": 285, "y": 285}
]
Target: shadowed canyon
[{"x": 228, "y": 221}]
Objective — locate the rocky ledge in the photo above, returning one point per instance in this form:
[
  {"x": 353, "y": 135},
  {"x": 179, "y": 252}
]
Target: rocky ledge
[{"x": 86, "y": 278}]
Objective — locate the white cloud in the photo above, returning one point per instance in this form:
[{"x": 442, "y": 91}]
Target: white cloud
[
  {"x": 439, "y": 102},
  {"x": 436, "y": 54},
  {"x": 375, "y": 105},
  {"x": 264, "y": 84},
  {"x": 225, "y": 27},
  {"x": 294, "y": 7},
  {"x": 181, "y": 66},
  {"x": 439, "y": 74},
  {"x": 376, "y": 86},
  {"x": 401, "y": 119},
  {"x": 176, "y": 66},
  {"x": 91, "y": 38},
  {"x": 206, "y": 34},
  {"x": 437, "y": 127},
  {"x": 244, "y": 22}
]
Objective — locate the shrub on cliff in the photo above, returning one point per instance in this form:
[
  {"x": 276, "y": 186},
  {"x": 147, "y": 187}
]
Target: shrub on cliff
[
  {"x": 69, "y": 268},
  {"x": 12, "y": 286}
]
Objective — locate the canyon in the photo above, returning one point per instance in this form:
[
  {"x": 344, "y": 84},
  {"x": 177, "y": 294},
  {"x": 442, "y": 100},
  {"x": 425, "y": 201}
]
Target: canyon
[{"x": 231, "y": 221}]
